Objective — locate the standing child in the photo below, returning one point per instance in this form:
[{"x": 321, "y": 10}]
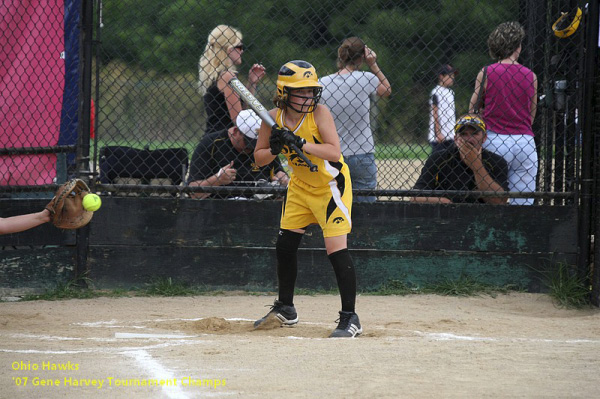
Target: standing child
[
  {"x": 323, "y": 197},
  {"x": 443, "y": 109}
]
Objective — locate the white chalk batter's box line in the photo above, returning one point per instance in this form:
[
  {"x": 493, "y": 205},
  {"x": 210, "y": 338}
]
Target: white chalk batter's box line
[
  {"x": 156, "y": 370},
  {"x": 116, "y": 350}
]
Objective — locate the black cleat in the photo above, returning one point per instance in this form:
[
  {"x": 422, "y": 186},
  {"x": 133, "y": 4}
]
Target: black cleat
[
  {"x": 348, "y": 327},
  {"x": 285, "y": 314}
]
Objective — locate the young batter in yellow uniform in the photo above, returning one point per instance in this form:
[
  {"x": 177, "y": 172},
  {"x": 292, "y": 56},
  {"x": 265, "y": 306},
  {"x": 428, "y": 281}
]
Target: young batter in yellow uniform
[{"x": 323, "y": 197}]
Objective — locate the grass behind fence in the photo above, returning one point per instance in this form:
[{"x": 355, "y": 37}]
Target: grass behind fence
[
  {"x": 382, "y": 151},
  {"x": 169, "y": 287}
]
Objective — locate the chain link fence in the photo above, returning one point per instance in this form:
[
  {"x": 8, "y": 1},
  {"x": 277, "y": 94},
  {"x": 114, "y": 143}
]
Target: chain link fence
[
  {"x": 163, "y": 123},
  {"x": 39, "y": 100}
]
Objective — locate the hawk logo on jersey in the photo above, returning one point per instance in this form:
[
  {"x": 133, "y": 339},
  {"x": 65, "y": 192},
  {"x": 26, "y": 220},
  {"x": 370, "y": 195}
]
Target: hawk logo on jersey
[
  {"x": 255, "y": 167},
  {"x": 338, "y": 220},
  {"x": 296, "y": 160}
]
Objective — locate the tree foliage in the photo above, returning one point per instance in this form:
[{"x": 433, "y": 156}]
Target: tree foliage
[{"x": 412, "y": 38}]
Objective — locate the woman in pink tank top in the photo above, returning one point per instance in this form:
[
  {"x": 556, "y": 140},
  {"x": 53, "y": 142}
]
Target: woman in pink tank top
[{"x": 507, "y": 100}]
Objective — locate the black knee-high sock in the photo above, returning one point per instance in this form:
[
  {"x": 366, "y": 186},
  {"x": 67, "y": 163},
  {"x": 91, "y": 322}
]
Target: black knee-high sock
[
  {"x": 287, "y": 264},
  {"x": 346, "y": 278}
]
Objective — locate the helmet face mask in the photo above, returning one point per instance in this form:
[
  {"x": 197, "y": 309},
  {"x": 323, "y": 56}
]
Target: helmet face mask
[
  {"x": 299, "y": 102},
  {"x": 298, "y": 75}
]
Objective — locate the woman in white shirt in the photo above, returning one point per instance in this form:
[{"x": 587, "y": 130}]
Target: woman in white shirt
[{"x": 347, "y": 94}]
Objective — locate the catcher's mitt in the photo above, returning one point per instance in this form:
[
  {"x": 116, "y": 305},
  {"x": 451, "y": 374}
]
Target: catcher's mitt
[{"x": 66, "y": 207}]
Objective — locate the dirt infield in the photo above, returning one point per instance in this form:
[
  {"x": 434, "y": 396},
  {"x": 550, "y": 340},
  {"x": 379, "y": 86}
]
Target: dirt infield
[{"x": 422, "y": 346}]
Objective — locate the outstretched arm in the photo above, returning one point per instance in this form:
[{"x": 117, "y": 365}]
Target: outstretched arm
[{"x": 16, "y": 224}]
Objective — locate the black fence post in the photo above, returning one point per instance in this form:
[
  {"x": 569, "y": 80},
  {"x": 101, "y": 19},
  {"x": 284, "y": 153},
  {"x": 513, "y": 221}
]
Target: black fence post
[
  {"x": 593, "y": 124},
  {"x": 588, "y": 158},
  {"x": 83, "y": 142}
]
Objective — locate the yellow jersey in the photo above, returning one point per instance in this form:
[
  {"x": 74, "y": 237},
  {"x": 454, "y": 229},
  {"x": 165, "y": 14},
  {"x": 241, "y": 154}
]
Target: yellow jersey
[{"x": 308, "y": 130}]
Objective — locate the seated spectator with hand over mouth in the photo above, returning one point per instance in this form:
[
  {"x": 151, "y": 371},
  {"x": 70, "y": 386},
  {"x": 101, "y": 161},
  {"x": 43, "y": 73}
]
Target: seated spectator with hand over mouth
[{"x": 464, "y": 166}]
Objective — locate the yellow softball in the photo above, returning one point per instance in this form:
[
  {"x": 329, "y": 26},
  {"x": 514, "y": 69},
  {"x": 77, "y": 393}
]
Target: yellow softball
[{"x": 92, "y": 202}]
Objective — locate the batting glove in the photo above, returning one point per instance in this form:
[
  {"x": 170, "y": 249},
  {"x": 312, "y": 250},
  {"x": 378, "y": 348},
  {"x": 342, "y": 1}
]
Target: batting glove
[
  {"x": 290, "y": 139},
  {"x": 275, "y": 141}
]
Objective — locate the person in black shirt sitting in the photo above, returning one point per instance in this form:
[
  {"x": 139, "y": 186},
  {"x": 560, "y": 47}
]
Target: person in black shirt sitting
[
  {"x": 464, "y": 166},
  {"x": 227, "y": 156}
]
